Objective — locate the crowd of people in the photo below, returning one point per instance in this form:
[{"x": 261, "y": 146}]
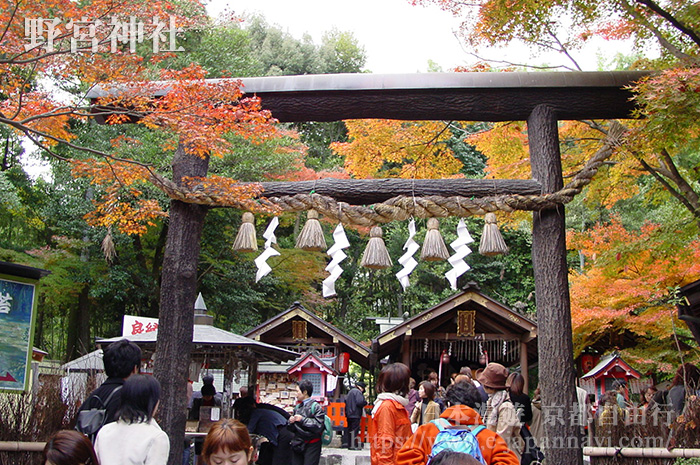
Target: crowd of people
[
  {"x": 482, "y": 417},
  {"x": 653, "y": 403}
]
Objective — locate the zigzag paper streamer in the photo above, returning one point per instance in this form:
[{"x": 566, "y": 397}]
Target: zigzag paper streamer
[
  {"x": 409, "y": 263},
  {"x": 261, "y": 260},
  {"x": 459, "y": 266},
  {"x": 337, "y": 255}
]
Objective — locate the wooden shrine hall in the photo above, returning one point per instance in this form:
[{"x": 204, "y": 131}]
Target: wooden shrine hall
[
  {"x": 470, "y": 327},
  {"x": 300, "y": 330}
]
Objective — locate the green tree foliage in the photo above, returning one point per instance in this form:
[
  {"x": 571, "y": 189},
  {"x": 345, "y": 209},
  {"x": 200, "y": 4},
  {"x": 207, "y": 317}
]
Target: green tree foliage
[
  {"x": 223, "y": 49},
  {"x": 340, "y": 52}
]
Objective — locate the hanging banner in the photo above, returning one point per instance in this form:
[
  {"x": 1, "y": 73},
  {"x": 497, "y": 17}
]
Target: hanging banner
[{"x": 16, "y": 331}]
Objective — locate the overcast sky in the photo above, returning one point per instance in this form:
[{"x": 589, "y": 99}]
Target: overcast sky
[{"x": 398, "y": 37}]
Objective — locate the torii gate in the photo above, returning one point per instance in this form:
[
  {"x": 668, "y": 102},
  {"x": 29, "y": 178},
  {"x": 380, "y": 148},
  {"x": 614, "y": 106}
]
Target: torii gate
[{"x": 540, "y": 98}]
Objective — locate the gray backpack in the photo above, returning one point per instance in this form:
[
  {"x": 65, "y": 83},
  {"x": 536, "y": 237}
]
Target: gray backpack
[{"x": 90, "y": 421}]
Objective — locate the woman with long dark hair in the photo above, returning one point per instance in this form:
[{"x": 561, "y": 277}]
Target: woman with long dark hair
[
  {"x": 687, "y": 380},
  {"x": 135, "y": 438},
  {"x": 521, "y": 401},
  {"x": 391, "y": 426}
]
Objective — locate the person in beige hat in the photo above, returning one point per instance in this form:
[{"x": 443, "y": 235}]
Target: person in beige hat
[{"x": 500, "y": 415}]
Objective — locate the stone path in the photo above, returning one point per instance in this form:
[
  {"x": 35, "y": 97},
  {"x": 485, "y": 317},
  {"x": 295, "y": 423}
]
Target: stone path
[{"x": 336, "y": 456}]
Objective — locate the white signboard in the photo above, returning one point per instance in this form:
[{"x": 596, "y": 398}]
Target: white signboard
[{"x": 133, "y": 325}]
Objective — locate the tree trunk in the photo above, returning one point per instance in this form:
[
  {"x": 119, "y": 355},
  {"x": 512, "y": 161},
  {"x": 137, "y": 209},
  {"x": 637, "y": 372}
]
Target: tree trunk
[
  {"x": 555, "y": 345},
  {"x": 177, "y": 296},
  {"x": 157, "y": 268},
  {"x": 78, "y": 331},
  {"x": 683, "y": 190}
]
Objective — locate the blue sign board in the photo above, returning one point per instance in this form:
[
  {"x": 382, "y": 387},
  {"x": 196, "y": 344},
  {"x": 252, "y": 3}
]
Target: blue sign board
[{"x": 17, "y": 295}]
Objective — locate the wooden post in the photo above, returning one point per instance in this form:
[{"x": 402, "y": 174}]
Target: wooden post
[
  {"x": 177, "y": 296},
  {"x": 339, "y": 384},
  {"x": 524, "y": 367},
  {"x": 253, "y": 376},
  {"x": 406, "y": 351},
  {"x": 557, "y": 377}
]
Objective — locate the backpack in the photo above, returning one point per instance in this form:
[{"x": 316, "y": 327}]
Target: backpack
[
  {"x": 90, "y": 421},
  {"x": 327, "y": 435},
  {"x": 458, "y": 438},
  {"x": 327, "y": 431}
]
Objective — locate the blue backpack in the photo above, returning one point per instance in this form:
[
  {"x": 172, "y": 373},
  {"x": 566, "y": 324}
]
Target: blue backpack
[{"x": 458, "y": 438}]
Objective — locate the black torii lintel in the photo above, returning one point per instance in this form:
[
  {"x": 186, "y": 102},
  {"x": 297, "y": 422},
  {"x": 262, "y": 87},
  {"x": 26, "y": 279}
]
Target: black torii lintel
[
  {"x": 22, "y": 271},
  {"x": 438, "y": 96}
]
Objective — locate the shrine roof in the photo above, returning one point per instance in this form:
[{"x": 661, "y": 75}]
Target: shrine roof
[
  {"x": 207, "y": 335},
  {"x": 689, "y": 307},
  {"x": 609, "y": 362},
  {"x": 493, "y": 320},
  {"x": 23, "y": 271},
  {"x": 274, "y": 328}
]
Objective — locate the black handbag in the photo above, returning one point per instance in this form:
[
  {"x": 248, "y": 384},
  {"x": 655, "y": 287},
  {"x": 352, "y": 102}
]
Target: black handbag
[
  {"x": 532, "y": 455},
  {"x": 298, "y": 445}
]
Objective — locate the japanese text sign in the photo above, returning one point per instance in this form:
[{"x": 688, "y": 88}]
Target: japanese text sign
[{"x": 16, "y": 331}]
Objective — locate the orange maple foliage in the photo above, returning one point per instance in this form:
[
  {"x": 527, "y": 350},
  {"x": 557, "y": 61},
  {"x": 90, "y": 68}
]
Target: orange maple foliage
[
  {"x": 506, "y": 147},
  {"x": 403, "y": 149},
  {"x": 70, "y": 41},
  {"x": 627, "y": 287},
  {"x": 197, "y": 113},
  {"x": 299, "y": 172},
  {"x": 93, "y": 43}
]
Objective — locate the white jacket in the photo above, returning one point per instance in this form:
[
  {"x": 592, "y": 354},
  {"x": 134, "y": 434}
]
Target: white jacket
[{"x": 121, "y": 443}]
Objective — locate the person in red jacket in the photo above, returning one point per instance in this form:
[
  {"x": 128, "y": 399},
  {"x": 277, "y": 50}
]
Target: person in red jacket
[
  {"x": 390, "y": 425},
  {"x": 461, "y": 397}
]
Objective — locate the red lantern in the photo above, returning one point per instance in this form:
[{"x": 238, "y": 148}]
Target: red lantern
[
  {"x": 587, "y": 363},
  {"x": 342, "y": 362}
]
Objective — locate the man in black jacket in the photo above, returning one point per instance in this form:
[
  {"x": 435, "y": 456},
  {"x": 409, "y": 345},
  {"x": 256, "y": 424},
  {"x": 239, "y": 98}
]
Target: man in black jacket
[
  {"x": 308, "y": 424},
  {"x": 354, "y": 405},
  {"x": 121, "y": 360}
]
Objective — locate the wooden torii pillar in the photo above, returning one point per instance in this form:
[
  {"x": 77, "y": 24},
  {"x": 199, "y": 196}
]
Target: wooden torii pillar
[{"x": 540, "y": 98}]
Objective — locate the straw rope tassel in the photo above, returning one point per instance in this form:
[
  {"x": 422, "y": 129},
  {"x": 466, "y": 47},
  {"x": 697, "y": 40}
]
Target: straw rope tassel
[
  {"x": 311, "y": 237},
  {"x": 246, "y": 241},
  {"x": 434, "y": 247},
  {"x": 376, "y": 256},
  {"x": 492, "y": 242},
  {"x": 108, "y": 248}
]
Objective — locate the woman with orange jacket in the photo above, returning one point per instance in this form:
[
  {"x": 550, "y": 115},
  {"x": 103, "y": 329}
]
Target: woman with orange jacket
[{"x": 390, "y": 424}]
